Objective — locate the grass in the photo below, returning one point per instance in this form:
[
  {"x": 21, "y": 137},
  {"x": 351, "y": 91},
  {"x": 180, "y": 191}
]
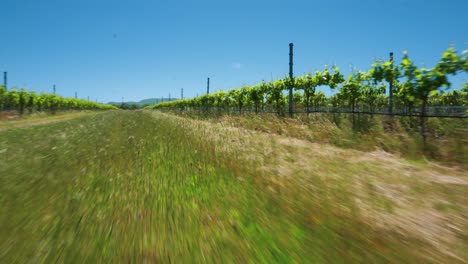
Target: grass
[
  {"x": 142, "y": 186},
  {"x": 40, "y": 118},
  {"x": 446, "y": 142}
]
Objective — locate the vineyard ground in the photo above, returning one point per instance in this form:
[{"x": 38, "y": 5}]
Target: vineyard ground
[
  {"x": 11, "y": 119},
  {"x": 144, "y": 186},
  {"x": 446, "y": 143}
]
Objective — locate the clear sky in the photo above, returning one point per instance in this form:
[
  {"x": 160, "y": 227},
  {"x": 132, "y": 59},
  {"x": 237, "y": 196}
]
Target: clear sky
[{"x": 142, "y": 49}]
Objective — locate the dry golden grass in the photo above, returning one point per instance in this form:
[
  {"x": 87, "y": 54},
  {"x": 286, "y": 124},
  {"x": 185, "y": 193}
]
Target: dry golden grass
[{"x": 419, "y": 200}]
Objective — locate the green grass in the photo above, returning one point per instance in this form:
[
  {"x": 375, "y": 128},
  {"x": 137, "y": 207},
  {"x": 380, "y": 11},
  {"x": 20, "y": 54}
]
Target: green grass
[{"x": 140, "y": 187}]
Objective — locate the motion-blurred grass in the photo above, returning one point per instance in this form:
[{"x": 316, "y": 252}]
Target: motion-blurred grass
[{"x": 139, "y": 187}]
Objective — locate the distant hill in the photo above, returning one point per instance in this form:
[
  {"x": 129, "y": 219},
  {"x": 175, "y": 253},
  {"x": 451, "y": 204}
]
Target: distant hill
[{"x": 149, "y": 101}]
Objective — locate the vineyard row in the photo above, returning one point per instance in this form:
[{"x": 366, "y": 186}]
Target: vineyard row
[
  {"x": 22, "y": 100},
  {"x": 400, "y": 88}
]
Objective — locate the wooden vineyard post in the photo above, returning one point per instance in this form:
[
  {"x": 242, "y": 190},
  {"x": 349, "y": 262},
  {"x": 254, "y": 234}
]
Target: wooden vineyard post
[
  {"x": 292, "y": 79},
  {"x": 182, "y": 98},
  {"x": 5, "y": 101},
  {"x": 390, "y": 95},
  {"x": 207, "y": 93}
]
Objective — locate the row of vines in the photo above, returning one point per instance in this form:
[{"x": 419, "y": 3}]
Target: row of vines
[
  {"x": 415, "y": 91},
  {"x": 22, "y": 100}
]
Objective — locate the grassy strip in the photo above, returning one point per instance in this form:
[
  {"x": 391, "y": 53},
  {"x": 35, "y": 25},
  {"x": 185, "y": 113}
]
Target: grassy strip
[
  {"x": 42, "y": 118},
  {"x": 131, "y": 187},
  {"x": 394, "y": 194},
  {"x": 446, "y": 138}
]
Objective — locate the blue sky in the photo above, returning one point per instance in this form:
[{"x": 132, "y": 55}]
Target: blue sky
[{"x": 141, "y": 49}]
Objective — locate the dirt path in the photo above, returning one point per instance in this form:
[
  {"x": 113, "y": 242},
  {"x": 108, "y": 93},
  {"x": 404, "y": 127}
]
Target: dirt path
[{"x": 35, "y": 121}]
